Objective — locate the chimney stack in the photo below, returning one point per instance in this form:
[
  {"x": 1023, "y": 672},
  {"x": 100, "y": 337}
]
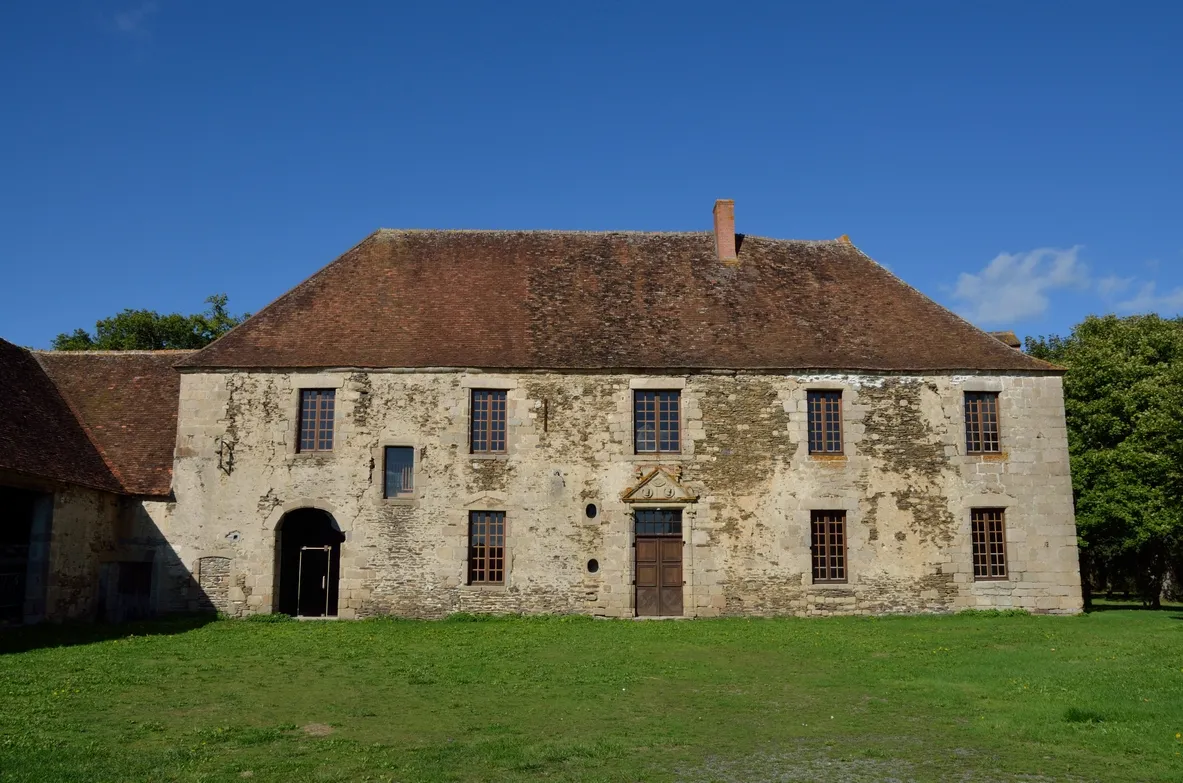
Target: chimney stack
[{"x": 725, "y": 231}]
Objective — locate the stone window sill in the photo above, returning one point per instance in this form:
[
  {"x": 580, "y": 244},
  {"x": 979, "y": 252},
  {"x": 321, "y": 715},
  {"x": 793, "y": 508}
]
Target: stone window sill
[
  {"x": 988, "y": 456},
  {"x": 663, "y": 457},
  {"x": 402, "y": 500},
  {"x": 832, "y": 458},
  {"x": 485, "y": 588},
  {"x": 492, "y": 455}
]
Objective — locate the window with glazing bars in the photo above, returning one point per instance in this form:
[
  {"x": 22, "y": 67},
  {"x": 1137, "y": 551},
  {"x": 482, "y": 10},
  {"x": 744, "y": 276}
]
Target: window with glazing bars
[
  {"x": 825, "y": 422},
  {"x": 400, "y": 472},
  {"x": 486, "y": 547},
  {"x": 316, "y": 419},
  {"x": 657, "y": 422},
  {"x": 989, "y": 543},
  {"x": 981, "y": 422},
  {"x": 829, "y": 546},
  {"x": 488, "y": 421},
  {"x": 658, "y": 521}
]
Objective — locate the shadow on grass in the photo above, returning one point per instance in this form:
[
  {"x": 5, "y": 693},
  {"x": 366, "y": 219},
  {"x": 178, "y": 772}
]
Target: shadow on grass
[
  {"x": 1114, "y": 605},
  {"x": 35, "y": 637}
]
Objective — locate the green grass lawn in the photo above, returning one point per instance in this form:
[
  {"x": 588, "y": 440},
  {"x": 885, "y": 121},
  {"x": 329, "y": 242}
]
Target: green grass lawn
[{"x": 966, "y": 698}]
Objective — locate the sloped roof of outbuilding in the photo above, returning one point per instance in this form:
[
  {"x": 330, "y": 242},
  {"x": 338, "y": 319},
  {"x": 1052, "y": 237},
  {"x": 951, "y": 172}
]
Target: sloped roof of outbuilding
[
  {"x": 616, "y": 300},
  {"x": 40, "y": 435},
  {"x": 127, "y": 401}
]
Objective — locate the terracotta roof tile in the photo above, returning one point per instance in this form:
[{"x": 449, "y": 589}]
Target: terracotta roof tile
[
  {"x": 128, "y": 402},
  {"x": 39, "y": 434},
  {"x": 570, "y": 300}
]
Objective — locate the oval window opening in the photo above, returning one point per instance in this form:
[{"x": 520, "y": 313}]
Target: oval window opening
[
  {"x": 591, "y": 511},
  {"x": 593, "y": 565}
]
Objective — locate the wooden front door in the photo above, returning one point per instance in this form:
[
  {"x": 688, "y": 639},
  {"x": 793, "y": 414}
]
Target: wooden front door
[{"x": 658, "y": 572}]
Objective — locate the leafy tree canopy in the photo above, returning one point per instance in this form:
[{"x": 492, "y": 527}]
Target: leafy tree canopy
[
  {"x": 148, "y": 330},
  {"x": 1123, "y": 397}
]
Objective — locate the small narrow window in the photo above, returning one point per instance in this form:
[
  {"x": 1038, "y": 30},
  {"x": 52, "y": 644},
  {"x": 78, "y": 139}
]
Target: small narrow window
[
  {"x": 486, "y": 547},
  {"x": 825, "y": 422},
  {"x": 657, "y": 422},
  {"x": 488, "y": 421},
  {"x": 829, "y": 546},
  {"x": 316, "y": 419},
  {"x": 981, "y": 422},
  {"x": 989, "y": 543},
  {"x": 399, "y": 481}
]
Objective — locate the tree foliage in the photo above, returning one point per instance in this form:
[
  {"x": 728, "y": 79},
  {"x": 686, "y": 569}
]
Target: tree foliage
[
  {"x": 1123, "y": 397},
  {"x": 148, "y": 330}
]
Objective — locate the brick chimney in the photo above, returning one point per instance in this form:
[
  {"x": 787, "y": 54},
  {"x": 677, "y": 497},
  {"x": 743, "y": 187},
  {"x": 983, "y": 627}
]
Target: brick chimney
[{"x": 725, "y": 231}]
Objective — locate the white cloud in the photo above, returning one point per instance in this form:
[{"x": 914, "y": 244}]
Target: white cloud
[
  {"x": 134, "y": 21},
  {"x": 1014, "y": 286},
  {"x": 1149, "y": 300},
  {"x": 1113, "y": 285}
]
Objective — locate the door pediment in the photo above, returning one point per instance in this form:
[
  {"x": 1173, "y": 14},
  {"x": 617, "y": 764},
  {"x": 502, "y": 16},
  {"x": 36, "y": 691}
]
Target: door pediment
[{"x": 659, "y": 485}]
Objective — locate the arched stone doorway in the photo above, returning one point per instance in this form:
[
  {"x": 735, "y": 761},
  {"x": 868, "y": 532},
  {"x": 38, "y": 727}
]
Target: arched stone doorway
[{"x": 308, "y": 563}]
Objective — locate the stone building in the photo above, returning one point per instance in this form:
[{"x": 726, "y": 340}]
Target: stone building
[{"x": 618, "y": 424}]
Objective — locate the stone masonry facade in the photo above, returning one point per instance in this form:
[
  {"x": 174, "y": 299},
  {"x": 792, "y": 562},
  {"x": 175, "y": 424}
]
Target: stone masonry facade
[{"x": 905, "y": 482}]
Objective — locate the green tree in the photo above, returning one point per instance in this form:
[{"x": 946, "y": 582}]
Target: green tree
[
  {"x": 1123, "y": 397},
  {"x": 147, "y": 330}
]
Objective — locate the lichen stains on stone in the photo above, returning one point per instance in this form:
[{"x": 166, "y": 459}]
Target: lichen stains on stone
[
  {"x": 747, "y": 434},
  {"x": 568, "y": 421},
  {"x": 906, "y": 444},
  {"x": 488, "y": 475},
  {"x": 360, "y": 383}
]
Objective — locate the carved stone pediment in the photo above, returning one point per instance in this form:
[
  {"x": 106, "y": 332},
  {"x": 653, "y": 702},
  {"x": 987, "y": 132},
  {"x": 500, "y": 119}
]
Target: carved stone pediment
[{"x": 660, "y": 485}]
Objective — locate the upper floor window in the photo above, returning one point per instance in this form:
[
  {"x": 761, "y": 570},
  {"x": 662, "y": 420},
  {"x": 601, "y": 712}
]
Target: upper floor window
[
  {"x": 487, "y": 429},
  {"x": 825, "y": 422},
  {"x": 988, "y": 529},
  {"x": 981, "y": 422},
  {"x": 399, "y": 480},
  {"x": 486, "y": 547},
  {"x": 657, "y": 422},
  {"x": 828, "y": 532},
  {"x": 316, "y": 419}
]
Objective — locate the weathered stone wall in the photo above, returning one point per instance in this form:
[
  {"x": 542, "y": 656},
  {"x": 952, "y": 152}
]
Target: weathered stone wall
[
  {"x": 82, "y": 537},
  {"x": 905, "y": 482}
]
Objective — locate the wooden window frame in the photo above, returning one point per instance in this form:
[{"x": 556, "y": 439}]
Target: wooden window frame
[
  {"x": 824, "y": 421},
  {"x": 982, "y": 436},
  {"x": 322, "y": 424},
  {"x": 657, "y": 411},
  {"x": 487, "y": 564},
  {"x": 405, "y": 493},
  {"x": 987, "y": 528},
  {"x": 828, "y": 567},
  {"x": 488, "y": 408}
]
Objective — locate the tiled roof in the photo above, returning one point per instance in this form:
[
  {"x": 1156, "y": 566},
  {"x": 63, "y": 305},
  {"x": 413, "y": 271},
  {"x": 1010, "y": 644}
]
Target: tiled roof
[
  {"x": 39, "y": 434},
  {"x": 570, "y": 300},
  {"x": 128, "y": 402}
]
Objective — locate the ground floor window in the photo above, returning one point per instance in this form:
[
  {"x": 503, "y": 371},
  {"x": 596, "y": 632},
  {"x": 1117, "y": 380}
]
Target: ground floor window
[
  {"x": 829, "y": 546},
  {"x": 486, "y": 547},
  {"x": 989, "y": 543}
]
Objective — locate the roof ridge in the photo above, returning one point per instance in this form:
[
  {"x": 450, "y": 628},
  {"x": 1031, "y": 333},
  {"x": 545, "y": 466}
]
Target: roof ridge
[
  {"x": 593, "y": 232},
  {"x": 112, "y": 351}
]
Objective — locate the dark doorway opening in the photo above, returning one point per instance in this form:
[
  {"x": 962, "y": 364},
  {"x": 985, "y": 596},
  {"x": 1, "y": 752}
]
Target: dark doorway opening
[
  {"x": 17, "y": 507},
  {"x": 308, "y": 546},
  {"x": 658, "y": 576}
]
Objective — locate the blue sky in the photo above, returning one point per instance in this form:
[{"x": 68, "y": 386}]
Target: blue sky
[{"x": 1019, "y": 162}]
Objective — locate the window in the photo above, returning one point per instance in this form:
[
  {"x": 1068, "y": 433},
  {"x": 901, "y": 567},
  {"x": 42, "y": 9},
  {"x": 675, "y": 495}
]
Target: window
[
  {"x": 981, "y": 422},
  {"x": 825, "y": 422},
  {"x": 658, "y": 521},
  {"x": 316, "y": 419},
  {"x": 488, "y": 421},
  {"x": 657, "y": 422},
  {"x": 989, "y": 543},
  {"x": 486, "y": 547},
  {"x": 400, "y": 472},
  {"x": 829, "y": 546}
]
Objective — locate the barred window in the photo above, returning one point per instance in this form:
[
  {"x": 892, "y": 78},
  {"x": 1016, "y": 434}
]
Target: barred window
[
  {"x": 981, "y": 422},
  {"x": 657, "y": 422},
  {"x": 399, "y": 480},
  {"x": 988, "y": 526},
  {"x": 316, "y": 419},
  {"x": 487, "y": 431},
  {"x": 486, "y": 547},
  {"x": 658, "y": 521},
  {"x": 825, "y": 422},
  {"x": 829, "y": 546}
]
